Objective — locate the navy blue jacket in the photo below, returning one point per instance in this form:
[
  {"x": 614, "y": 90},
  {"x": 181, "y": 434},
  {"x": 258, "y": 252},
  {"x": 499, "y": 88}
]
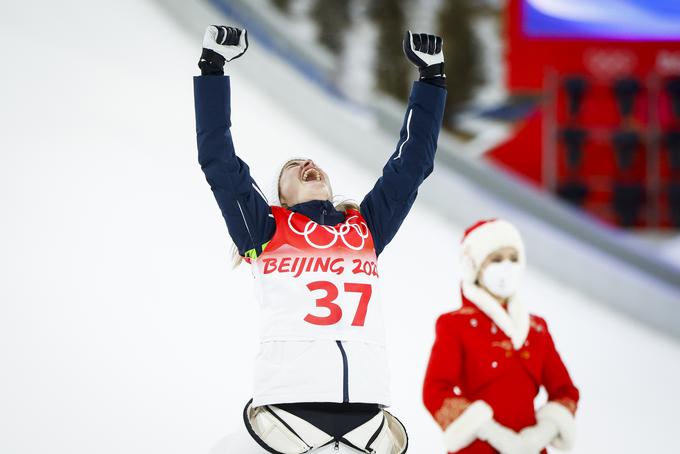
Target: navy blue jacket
[{"x": 246, "y": 210}]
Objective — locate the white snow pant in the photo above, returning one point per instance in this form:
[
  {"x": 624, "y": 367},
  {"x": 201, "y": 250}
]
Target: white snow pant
[
  {"x": 241, "y": 442},
  {"x": 288, "y": 434}
]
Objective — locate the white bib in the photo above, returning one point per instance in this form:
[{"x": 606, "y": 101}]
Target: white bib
[{"x": 318, "y": 282}]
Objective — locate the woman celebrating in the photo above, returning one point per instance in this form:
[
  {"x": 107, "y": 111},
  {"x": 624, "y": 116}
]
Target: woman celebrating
[
  {"x": 321, "y": 373},
  {"x": 490, "y": 358}
]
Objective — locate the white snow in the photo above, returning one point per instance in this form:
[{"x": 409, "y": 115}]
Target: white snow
[
  {"x": 122, "y": 328},
  {"x": 669, "y": 250}
]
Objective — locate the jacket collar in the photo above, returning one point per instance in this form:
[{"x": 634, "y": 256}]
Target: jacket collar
[
  {"x": 514, "y": 322},
  {"x": 320, "y": 211}
]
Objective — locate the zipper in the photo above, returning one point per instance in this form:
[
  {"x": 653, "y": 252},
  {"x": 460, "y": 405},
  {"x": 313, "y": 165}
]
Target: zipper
[
  {"x": 345, "y": 373},
  {"x": 323, "y": 214}
]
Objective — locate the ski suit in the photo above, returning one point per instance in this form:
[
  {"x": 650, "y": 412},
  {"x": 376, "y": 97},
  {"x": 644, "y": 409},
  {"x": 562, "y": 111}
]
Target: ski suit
[{"x": 310, "y": 260}]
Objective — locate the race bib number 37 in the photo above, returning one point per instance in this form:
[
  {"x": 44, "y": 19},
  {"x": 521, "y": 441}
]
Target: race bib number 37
[
  {"x": 320, "y": 282},
  {"x": 327, "y": 295}
]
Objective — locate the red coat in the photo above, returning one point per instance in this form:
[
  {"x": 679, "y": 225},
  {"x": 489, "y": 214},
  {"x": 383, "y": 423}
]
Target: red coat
[{"x": 473, "y": 359}]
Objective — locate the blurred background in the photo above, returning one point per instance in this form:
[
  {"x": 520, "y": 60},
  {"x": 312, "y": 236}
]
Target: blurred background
[{"x": 123, "y": 328}]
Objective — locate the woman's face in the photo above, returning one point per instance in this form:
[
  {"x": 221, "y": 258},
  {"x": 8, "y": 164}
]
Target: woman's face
[
  {"x": 500, "y": 272},
  {"x": 505, "y": 253},
  {"x": 301, "y": 181}
]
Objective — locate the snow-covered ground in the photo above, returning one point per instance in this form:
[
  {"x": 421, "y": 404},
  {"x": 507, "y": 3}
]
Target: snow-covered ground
[
  {"x": 670, "y": 250},
  {"x": 122, "y": 327}
]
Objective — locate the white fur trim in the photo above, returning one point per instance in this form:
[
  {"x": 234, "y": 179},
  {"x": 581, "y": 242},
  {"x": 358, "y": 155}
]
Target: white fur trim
[
  {"x": 565, "y": 422},
  {"x": 514, "y": 322},
  {"x": 539, "y": 436},
  {"x": 503, "y": 439},
  {"x": 484, "y": 240},
  {"x": 463, "y": 430}
]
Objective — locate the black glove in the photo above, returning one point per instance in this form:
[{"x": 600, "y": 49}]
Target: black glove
[
  {"x": 221, "y": 44},
  {"x": 425, "y": 51}
]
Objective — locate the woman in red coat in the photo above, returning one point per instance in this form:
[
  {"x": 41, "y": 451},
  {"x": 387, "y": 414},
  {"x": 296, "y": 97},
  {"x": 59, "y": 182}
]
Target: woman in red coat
[{"x": 490, "y": 358}]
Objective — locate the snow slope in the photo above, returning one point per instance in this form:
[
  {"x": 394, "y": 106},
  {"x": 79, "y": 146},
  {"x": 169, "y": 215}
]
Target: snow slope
[{"x": 122, "y": 327}]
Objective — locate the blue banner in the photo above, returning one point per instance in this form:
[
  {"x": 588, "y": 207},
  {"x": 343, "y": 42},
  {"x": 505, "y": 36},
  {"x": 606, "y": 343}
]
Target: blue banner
[{"x": 633, "y": 20}]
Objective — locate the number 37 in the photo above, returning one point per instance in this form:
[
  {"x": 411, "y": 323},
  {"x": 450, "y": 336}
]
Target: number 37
[{"x": 335, "y": 313}]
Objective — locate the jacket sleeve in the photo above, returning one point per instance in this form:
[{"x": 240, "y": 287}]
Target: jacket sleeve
[
  {"x": 556, "y": 379},
  {"x": 559, "y": 412},
  {"x": 463, "y": 421},
  {"x": 390, "y": 200},
  {"x": 443, "y": 375},
  {"x": 244, "y": 207}
]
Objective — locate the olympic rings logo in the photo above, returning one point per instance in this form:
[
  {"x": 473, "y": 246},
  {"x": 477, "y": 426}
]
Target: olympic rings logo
[
  {"x": 608, "y": 63},
  {"x": 361, "y": 229}
]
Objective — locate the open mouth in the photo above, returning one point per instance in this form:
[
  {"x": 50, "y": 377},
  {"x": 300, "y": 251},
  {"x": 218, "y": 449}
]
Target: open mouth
[{"x": 311, "y": 174}]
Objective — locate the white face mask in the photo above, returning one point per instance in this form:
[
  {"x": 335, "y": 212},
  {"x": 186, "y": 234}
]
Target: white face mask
[{"x": 502, "y": 278}]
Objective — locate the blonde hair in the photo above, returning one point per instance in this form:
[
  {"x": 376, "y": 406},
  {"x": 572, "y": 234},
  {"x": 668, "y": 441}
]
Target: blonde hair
[{"x": 343, "y": 206}]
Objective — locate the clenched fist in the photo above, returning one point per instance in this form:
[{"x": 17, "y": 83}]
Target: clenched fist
[
  {"x": 221, "y": 44},
  {"x": 425, "y": 51}
]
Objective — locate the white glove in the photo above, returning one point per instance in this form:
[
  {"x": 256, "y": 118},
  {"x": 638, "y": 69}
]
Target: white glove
[
  {"x": 229, "y": 42},
  {"x": 557, "y": 414},
  {"x": 504, "y": 440},
  {"x": 426, "y": 52},
  {"x": 539, "y": 436},
  {"x": 423, "y": 49}
]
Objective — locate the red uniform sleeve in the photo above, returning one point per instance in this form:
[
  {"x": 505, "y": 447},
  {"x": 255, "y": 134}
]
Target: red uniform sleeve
[
  {"x": 556, "y": 379},
  {"x": 443, "y": 374}
]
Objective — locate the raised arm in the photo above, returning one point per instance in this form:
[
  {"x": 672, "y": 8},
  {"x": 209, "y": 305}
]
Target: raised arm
[
  {"x": 390, "y": 200},
  {"x": 244, "y": 207}
]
